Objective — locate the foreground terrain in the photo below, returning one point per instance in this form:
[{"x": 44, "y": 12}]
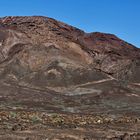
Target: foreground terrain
[{"x": 60, "y": 83}]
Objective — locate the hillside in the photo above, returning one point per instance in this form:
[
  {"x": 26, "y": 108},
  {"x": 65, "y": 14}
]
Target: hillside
[{"x": 51, "y": 68}]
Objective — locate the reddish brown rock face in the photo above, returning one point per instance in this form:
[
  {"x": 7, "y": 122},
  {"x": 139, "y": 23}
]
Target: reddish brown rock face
[{"x": 47, "y": 65}]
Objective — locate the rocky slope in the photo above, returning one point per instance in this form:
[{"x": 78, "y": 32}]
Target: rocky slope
[
  {"x": 60, "y": 54},
  {"x": 47, "y": 65}
]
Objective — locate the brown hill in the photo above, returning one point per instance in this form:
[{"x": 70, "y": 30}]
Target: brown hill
[
  {"x": 44, "y": 51},
  {"x": 91, "y": 80}
]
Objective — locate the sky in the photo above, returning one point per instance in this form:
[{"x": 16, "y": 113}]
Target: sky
[{"x": 119, "y": 17}]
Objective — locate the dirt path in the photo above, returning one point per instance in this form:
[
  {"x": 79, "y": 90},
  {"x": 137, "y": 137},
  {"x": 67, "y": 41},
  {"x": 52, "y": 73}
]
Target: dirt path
[{"x": 95, "y": 82}]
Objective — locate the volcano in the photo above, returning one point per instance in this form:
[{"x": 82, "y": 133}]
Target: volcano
[{"x": 83, "y": 83}]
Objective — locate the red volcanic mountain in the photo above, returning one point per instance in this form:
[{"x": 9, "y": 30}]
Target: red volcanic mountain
[
  {"x": 58, "y": 82},
  {"x": 61, "y": 55}
]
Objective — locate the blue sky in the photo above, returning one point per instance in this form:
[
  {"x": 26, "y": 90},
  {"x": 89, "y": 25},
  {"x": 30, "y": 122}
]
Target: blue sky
[{"x": 120, "y": 17}]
